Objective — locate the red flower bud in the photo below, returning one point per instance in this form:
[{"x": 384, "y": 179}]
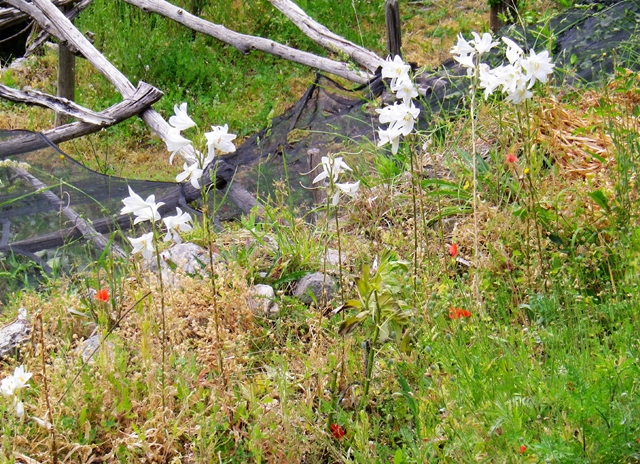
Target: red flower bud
[
  {"x": 453, "y": 250},
  {"x": 102, "y": 295},
  {"x": 337, "y": 431}
]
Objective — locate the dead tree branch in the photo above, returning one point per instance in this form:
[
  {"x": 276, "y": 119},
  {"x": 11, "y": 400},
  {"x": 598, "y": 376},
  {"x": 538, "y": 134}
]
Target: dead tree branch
[
  {"x": 246, "y": 43},
  {"x": 325, "y": 38},
  {"x": 60, "y": 105},
  {"x": 10, "y": 16},
  {"x": 142, "y": 99},
  {"x": 43, "y": 36}
]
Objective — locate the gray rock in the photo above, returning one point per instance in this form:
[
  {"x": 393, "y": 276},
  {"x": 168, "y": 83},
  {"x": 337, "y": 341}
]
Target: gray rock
[
  {"x": 311, "y": 288},
  {"x": 333, "y": 257},
  {"x": 262, "y": 297},
  {"x": 15, "y": 333},
  {"x": 88, "y": 348},
  {"x": 188, "y": 257}
]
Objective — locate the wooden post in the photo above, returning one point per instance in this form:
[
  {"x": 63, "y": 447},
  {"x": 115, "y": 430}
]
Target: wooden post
[
  {"x": 508, "y": 8},
  {"x": 66, "y": 80},
  {"x": 394, "y": 31}
]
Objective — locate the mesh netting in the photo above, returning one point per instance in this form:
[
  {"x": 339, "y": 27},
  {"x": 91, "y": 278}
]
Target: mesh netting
[{"x": 328, "y": 119}]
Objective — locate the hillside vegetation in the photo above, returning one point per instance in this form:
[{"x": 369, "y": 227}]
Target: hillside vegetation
[{"x": 487, "y": 306}]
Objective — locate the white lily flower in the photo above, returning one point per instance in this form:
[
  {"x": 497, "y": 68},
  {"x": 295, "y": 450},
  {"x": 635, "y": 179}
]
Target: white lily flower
[
  {"x": 405, "y": 88},
  {"x": 21, "y": 377},
  {"x": 482, "y": 44},
  {"x": 489, "y": 80},
  {"x": 401, "y": 116},
  {"x": 390, "y": 135},
  {"x": 331, "y": 167},
  {"x": 8, "y": 387},
  {"x": 220, "y": 139},
  {"x": 537, "y": 67},
  {"x": 176, "y": 224},
  {"x": 144, "y": 210},
  {"x": 19, "y": 407},
  {"x": 175, "y": 142},
  {"x": 193, "y": 172},
  {"x": 467, "y": 61},
  {"x": 143, "y": 244},
  {"x": 394, "y": 69},
  {"x": 519, "y": 95},
  {"x": 349, "y": 189},
  {"x": 181, "y": 120},
  {"x": 462, "y": 47},
  {"x": 510, "y": 77},
  {"x": 514, "y": 52}
]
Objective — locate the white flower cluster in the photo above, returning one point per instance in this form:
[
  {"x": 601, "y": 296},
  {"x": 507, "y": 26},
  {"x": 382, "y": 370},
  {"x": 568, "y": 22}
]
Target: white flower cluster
[
  {"x": 515, "y": 79},
  {"x": 147, "y": 210},
  {"x": 11, "y": 386},
  {"x": 218, "y": 139},
  {"x": 402, "y": 115},
  {"x": 9, "y": 163},
  {"x": 331, "y": 169}
]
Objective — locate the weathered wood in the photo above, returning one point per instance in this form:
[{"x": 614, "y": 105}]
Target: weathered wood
[
  {"x": 62, "y": 105},
  {"x": 66, "y": 80},
  {"x": 10, "y": 16},
  {"x": 246, "y": 43},
  {"x": 394, "y": 28},
  {"x": 499, "y": 9},
  {"x": 43, "y": 36},
  {"x": 57, "y": 24},
  {"x": 143, "y": 98},
  {"x": 325, "y": 38},
  {"x": 87, "y": 231}
]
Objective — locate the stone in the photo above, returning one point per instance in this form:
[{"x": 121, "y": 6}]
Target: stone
[
  {"x": 15, "y": 333},
  {"x": 189, "y": 258},
  {"x": 88, "y": 348},
  {"x": 310, "y": 289},
  {"x": 262, "y": 297}
]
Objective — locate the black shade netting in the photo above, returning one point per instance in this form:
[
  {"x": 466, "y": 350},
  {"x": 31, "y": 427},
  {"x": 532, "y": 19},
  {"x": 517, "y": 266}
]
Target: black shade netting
[{"x": 32, "y": 221}]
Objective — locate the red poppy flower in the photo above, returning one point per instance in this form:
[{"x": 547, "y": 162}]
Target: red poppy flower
[
  {"x": 523, "y": 449},
  {"x": 337, "y": 431},
  {"x": 457, "y": 313},
  {"x": 102, "y": 295},
  {"x": 511, "y": 158},
  {"x": 453, "y": 250}
]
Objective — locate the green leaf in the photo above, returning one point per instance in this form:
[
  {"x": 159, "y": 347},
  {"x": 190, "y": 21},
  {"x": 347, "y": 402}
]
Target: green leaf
[
  {"x": 348, "y": 325},
  {"x": 601, "y": 200}
]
